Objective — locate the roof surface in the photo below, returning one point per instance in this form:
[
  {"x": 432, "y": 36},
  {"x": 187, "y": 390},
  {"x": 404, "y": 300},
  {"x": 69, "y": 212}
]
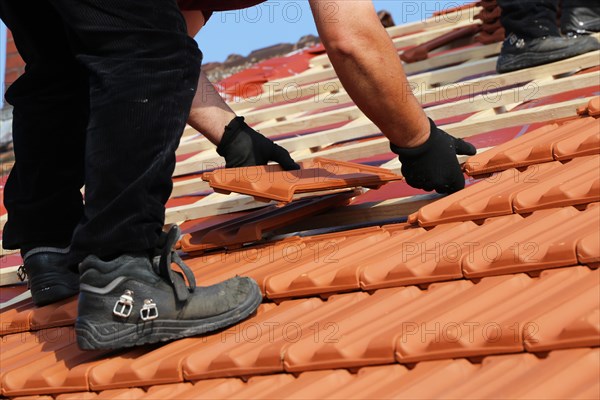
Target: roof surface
[{"x": 492, "y": 292}]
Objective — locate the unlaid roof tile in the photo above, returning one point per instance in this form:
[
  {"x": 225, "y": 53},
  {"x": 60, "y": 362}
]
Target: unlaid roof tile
[
  {"x": 533, "y": 148},
  {"x": 271, "y": 183},
  {"x": 545, "y": 239},
  {"x": 250, "y": 227}
]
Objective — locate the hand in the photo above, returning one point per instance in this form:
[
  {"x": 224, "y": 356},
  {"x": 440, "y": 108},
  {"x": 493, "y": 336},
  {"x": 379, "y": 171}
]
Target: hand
[
  {"x": 242, "y": 146},
  {"x": 433, "y": 165}
]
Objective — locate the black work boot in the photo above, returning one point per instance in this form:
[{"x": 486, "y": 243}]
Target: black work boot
[
  {"x": 135, "y": 299},
  {"x": 519, "y": 53},
  {"x": 580, "y": 20},
  {"x": 50, "y": 277}
]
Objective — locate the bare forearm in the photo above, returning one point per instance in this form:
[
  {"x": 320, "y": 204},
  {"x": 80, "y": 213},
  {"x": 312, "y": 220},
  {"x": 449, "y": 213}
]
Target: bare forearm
[
  {"x": 209, "y": 114},
  {"x": 370, "y": 70}
]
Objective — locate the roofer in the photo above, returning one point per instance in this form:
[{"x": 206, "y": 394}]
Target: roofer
[
  {"x": 103, "y": 102},
  {"x": 370, "y": 70},
  {"x": 533, "y": 37}
]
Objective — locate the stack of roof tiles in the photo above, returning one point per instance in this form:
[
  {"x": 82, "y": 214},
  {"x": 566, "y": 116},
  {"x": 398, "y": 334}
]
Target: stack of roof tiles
[
  {"x": 491, "y": 28},
  {"x": 492, "y": 292}
]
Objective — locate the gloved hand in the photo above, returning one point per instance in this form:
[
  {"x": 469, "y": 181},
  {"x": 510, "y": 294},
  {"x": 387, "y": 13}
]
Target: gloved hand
[
  {"x": 242, "y": 146},
  {"x": 433, "y": 165}
]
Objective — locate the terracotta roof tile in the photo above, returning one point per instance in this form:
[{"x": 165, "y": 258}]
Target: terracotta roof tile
[
  {"x": 588, "y": 249},
  {"x": 416, "y": 256},
  {"x": 270, "y": 182},
  {"x": 367, "y": 380},
  {"x": 562, "y": 374},
  {"x": 505, "y": 272},
  {"x": 538, "y": 147},
  {"x": 487, "y": 198},
  {"x": 209, "y": 389},
  {"x": 250, "y": 227},
  {"x": 576, "y": 182},
  {"x": 526, "y": 376},
  {"x": 167, "y": 391},
  {"x": 164, "y": 365},
  {"x": 245, "y": 349},
  {"x": 545, "y": 239},
  {"x": 573, "y": 320},
  {"x": 365, "y": 335},
  {"x": 326, "y": 266},
  {"x": 60, "y": 365},
  {"x": 582, "y": 142},
  {"x": 494, "y": 316},
  {"x": 77, "y": 396},
  {"x": 24, "y": 316},
  {"x": 121, "y": 394},
  {"x": 261, "y": 387},
  {"x": 313, "y": 385}
]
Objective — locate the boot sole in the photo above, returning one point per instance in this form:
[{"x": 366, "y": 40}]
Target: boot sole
[{"x": 116, "y": 335}]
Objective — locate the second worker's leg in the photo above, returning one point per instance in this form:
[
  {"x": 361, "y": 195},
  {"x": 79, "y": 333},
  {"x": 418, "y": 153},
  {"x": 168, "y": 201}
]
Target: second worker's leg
[
  {"x": 50, "y": 116},
  {"x": 533, "y": 37}
]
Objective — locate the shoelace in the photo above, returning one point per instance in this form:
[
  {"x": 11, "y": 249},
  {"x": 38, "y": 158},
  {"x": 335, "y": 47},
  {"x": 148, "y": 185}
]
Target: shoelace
[{"x": 168, "y": 256}]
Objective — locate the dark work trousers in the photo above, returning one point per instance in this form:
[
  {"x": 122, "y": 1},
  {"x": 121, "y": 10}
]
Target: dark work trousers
[
  {"x": 532, "y": 19},
  {"x": 107, "y": 89}
]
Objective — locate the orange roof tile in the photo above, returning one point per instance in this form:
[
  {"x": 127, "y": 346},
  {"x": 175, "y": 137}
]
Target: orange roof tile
[
  {"x": 249, "y": 228},
  {"x": 494, "y": 294},
  {"x": 270, "y": 182},
  {"x": 575, "y": 138}
]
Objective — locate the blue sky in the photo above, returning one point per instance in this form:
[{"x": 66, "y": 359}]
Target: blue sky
[{"x": 278, "y": 21}]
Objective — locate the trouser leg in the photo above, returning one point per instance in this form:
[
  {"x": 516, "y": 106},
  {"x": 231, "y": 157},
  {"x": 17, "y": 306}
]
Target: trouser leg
[
  {"x": 42, "y": 194},
  {"x": 530, "y": 19},
  {"x": 143, "y": 71}
]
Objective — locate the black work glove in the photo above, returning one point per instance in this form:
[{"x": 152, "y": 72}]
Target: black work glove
[
  {"x": 433, "y": 165},
  {"x": 242, "y": 146}
]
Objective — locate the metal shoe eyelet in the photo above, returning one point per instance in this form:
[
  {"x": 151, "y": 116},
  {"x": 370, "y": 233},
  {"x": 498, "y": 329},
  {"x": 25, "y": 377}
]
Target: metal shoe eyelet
[
  {"x": 22, "y": 273},
  {"x": 124, "y": 305},
  {"x": 149, "y": 310}
]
